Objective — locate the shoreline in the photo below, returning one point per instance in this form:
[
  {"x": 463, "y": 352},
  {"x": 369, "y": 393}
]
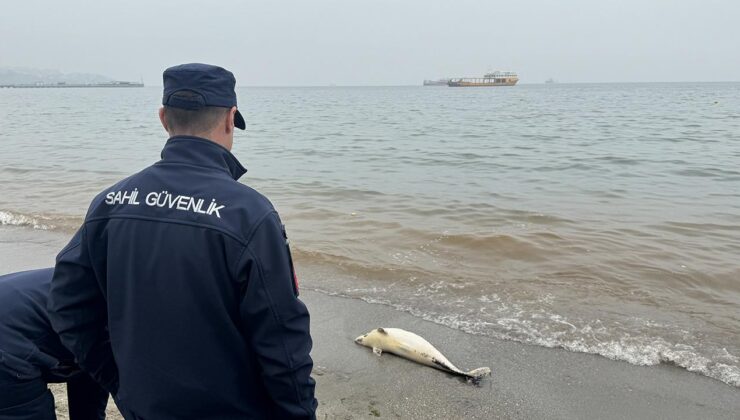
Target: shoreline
[{"x": 527, "y": 381}]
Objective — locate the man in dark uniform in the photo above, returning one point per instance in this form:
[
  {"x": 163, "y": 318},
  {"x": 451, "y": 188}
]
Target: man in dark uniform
[
  {"x": 178, "y": 292},
  {"x": 31, "y": 356}
]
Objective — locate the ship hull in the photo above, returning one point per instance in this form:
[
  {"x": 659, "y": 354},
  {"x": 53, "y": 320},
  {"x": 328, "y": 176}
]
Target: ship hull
[{"x": 480, "y": 84}]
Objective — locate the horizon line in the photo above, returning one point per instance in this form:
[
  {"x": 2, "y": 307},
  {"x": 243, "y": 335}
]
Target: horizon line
[{"x": 521, "y": 83}]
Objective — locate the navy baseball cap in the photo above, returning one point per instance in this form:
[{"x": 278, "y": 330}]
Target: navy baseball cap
[{"x": 212, "y": 85}]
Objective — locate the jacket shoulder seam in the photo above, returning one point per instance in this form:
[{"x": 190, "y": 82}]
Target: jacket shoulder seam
[
  {"x": 257, "y": 225},
  {"x": 67, "y": 249},
  {"x": 247, "y": 243}
]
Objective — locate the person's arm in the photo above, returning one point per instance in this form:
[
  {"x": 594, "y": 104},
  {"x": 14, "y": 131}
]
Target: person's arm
[
  {"x": 87, "y": 400},
  {"x": 77, "y": 312},
  {"x": 276, "y": 323}
]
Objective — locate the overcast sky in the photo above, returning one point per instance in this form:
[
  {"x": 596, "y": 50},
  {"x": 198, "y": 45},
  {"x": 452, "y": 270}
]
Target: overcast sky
[{"x": 376, "y": 42}]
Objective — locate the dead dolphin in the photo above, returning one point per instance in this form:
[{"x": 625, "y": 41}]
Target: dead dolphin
[{"x": 410, "y": 346}]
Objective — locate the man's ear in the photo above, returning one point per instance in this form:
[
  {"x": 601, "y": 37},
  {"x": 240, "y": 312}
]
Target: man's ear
[
  {"x": 230, "y": 120},
  {"x": 163, "y": 120}
]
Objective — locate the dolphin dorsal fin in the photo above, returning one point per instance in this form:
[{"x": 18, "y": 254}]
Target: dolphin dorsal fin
[{"x": 382, "y": 331}]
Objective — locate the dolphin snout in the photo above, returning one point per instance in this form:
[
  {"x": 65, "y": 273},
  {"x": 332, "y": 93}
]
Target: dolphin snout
[{"x": 358, "y": 340}]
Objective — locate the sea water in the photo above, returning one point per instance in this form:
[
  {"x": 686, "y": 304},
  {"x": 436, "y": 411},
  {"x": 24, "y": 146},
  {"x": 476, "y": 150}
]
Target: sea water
[{"x": 600, "y": 218}]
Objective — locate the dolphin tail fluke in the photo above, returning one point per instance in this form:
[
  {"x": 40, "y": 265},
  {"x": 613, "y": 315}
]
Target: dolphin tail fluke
[{"x": 476, "y": 375}]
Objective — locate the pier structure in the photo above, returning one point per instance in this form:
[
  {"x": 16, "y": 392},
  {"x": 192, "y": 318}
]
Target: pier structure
[{"x": 116, "y": 84}]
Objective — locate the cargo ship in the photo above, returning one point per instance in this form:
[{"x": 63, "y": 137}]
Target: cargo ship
[{"x": 496, "y": 78}]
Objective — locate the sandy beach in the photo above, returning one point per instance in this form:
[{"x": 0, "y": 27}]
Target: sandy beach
[{"x": 527, "y": 381}]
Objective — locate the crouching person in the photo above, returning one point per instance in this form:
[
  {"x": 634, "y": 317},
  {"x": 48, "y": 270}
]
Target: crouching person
[{"x": 31, "y": 356}]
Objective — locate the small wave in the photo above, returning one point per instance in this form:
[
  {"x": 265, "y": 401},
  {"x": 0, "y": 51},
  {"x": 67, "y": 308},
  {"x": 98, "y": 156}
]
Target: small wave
[
  {"x": 636, "y": 350},
  {"x": 40, "y": 222},
  {"x": 703, "y": 226},
  {"x": 707, "y": 173},
  {"x": 17, "y": 170},
  {"x": 619, "y": 160},
  {"x": 656, "y": 352},
  {"x": 564, "y": 167},
  {"x": 697, "y": 230},
  {"x": 13, "y": 219},
  {"x": 318, "y": 189},
  {"x": 504, "y": 245}
]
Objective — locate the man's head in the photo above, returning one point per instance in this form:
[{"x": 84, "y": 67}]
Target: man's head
[{"x": 199, "y": 100}]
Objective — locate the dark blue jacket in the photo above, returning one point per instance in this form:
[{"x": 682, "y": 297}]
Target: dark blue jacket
[
  {"x": 178, "y": 294},
  {"x": 29, "y": 348}
]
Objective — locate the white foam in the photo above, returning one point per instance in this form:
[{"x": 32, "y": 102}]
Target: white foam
[
  {"x": 637, "y": 350},
  {"x": 14, "y": 219},
  {"x": 654, "y": 352}
]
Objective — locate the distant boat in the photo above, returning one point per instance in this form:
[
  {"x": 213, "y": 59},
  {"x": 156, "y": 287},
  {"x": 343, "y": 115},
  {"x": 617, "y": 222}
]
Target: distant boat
[
  {"x": 496, "y": 78},
  {"x": 438, "y": 82},
  {"x": 550, "y": 81}
]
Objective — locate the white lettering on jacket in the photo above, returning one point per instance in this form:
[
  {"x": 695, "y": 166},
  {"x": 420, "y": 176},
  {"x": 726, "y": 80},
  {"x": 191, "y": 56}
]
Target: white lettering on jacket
[{"x": 166, "y": 200}]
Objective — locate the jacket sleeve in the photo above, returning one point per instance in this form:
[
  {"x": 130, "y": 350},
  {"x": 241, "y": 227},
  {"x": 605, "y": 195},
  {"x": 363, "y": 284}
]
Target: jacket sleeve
[
  {"x": 77, "y": 311},
  {"x": 276, "y": 322}
]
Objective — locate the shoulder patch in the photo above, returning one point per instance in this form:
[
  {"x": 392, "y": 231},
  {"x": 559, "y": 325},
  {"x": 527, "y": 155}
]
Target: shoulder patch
[
  {"x": 382, "y": 331},
  {"x": 290, "y": 260}
]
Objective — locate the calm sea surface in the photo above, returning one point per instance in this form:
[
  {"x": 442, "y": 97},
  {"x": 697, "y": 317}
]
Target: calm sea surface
[{"x": 598, "y": 218}]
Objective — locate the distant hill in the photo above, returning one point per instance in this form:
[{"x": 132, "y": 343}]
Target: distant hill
[{"x": 17, "y": 75}]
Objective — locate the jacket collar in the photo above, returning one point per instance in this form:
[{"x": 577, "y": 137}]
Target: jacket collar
[{"x": 202, "y": 152}]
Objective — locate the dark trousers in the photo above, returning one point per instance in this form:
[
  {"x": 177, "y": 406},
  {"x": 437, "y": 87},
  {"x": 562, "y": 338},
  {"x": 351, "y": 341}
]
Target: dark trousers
[
  {"x": 26, "y": 400},
  {"x": 32, "y": 400},
  {"x": 87, "y": 400}
]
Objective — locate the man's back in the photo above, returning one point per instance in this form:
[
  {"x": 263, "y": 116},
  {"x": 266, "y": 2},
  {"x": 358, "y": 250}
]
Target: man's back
[
  {"x": 31, "y": 355},
  {"x": 195, "y": 277},
  {"x": 29, "y": 348},
  {"x": 26, "y": 336}
]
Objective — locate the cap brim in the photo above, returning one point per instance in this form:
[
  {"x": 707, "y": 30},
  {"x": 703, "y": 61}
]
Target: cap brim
[{"x": 239, "y": 120}]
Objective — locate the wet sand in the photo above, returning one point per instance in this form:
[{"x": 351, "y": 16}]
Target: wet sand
[{"x": 527, "y": 381}]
